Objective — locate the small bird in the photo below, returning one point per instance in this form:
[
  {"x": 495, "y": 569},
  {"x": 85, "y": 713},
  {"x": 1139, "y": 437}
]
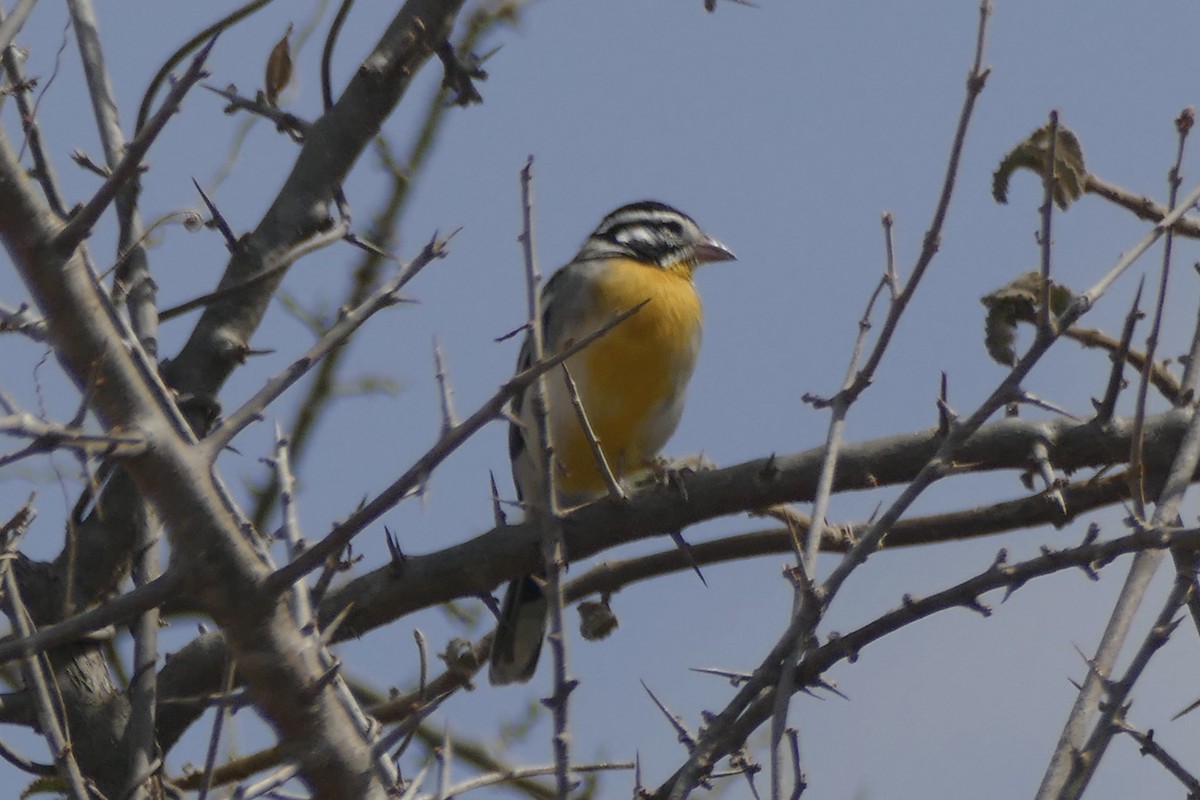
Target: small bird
[{"x": 631, "y": 381}]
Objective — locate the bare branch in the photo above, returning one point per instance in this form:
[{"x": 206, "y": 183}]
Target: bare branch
[
  {"x": 1149, "y": 747},
  {"x": 13, "y": 23},
  {"x": 1106, "y": 407},
  {"x": 545, "y": 509},
  {"x": 119, "y": 609},
  {"x": 285, "y": 122},
  {"x": 1050, "y": 181},
  {"x": 82, "y": 220},
  {"x": 351, "y": 321},
  {"x": 48, "y": 437},
  {"x": 449, "y": 418},
  {"x": 19, "y": 320},
  {"x": 1055, "y": 780},
  {"x": 38, "y": 681}
]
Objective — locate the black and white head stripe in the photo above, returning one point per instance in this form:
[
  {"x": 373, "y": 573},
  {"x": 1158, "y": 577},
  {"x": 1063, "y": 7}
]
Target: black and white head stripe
[{"x": 652, "y": 232}]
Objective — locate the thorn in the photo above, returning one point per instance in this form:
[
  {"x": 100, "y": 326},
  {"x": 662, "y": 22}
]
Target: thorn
[
  {"x": 685, "y": 737},
  {"x": 393, "y": 546},
  {"x": 681, "y": 543},
  {"x": 735, "y": 679},
  {"x": 498, "y": 516},
  {"x": 946, "y": 415},
  {"x": 823, "y": 683},
  {"x": 769, "y": 470},
  {"x": 218, "y": 220}
]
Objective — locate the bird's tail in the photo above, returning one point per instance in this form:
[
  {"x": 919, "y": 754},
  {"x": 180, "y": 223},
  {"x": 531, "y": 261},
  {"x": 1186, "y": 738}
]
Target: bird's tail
[{"x": 519, "y": 634}]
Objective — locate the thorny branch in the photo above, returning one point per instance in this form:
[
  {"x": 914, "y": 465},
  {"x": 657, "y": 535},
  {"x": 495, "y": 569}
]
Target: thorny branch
[{"x": 548, "y": 516}]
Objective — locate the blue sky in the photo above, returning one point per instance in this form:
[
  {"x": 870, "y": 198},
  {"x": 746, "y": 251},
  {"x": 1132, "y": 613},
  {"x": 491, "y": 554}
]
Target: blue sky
[{"x": 786, "y": 130}]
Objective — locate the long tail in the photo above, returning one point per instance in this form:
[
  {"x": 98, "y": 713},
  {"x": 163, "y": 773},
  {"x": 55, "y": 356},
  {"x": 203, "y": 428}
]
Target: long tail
[{"x": 519, "y": 634}]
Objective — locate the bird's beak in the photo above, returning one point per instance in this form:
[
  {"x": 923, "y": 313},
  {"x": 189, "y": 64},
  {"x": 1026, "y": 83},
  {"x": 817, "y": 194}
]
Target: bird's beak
[{"x": 711, "y": 250}]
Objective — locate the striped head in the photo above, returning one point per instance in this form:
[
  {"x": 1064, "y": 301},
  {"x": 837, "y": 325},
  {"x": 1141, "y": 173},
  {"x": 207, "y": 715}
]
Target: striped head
[{"x": 653, "y": 233}]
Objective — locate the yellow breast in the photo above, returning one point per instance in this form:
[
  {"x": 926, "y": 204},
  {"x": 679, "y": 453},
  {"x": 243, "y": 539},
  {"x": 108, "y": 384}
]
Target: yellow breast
[{"x": 631, "y": 380}]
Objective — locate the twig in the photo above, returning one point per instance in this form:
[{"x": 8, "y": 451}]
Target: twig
[
  {"x": 132, "y": 283},
  {"x": 808, "y": 603},
  {"x": 553, "y": 551},
  {"x": 189, "y": 47},
  {"x": 1054, "y": 781},
  {"x": 889, "y": 246},
  {"x": 423, "y": 661},
  {"x": 51, "y": 717},
  {"x": 799, "y": 780},
  {"x": 403, "y": 486},
  {"x": 1142, "y": 207},
  {"x": 214, "y": 738},
  {"x": 1149, "y": 747},
  {"x": 1135, "y": 461},
  {"x": 12, "y": 24},
  {"x": 403, "y": 171},
  {"x": 335, "y": 30},
  {"x": 1118, "y": 691},
  {"x": 25, "y": 764},
  {"x": 1136, "y": 582},
  {"x": 449, "y": 418},
  {"x": 1050, "y": 181},
  {"x": 48, "y": 437},
  {"x": 444, "y": 755},
  {"x": 285, "y": 122},
  {"x": 82, "y": 221},
  {"x": 301, "y": 604},
  {"x": 998, "y": 575},
  {"x": 273, "y": 266},
  {"x": 351, "y": 321},
  {"x": 270, "y": 783},
  {"x": 1186, "y": 562},
  {"x": 493, "y": 778},
  {"x": 805, "y": 600},
  {"x": 976, "y": 78},
  {"x": 807, "y": 613},
  {"x": 117, "y": 610},
  {"x": 19, "y": 320},
  {"x": 142, "y": 732},
  {"x": 1160, "y": 377},
  {"x": 1107, "y": 406},
  {"x": 614, "y": 487},
  {"x": 43, "y": 168}
]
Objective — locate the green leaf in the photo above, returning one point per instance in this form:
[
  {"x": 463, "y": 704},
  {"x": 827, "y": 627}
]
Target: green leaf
[{"x": 1070, "y": 174}]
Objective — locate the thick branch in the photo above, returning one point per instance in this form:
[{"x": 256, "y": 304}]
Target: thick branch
[
  {"x": 331, "y": 148},
  {"x": 225, "y": 571}
]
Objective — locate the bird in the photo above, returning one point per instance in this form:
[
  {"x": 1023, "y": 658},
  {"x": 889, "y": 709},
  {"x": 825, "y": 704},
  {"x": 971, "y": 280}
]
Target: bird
[{"x": 631, "y": 382}]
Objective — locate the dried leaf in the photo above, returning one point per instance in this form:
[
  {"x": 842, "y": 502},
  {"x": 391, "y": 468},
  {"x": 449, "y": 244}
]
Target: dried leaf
[
  {"x": 1015, "y": 302},
  {"x": 1070, "y": 174},
  {"x": 596, "y": 620},
  {"x": 279, "y": 67}
]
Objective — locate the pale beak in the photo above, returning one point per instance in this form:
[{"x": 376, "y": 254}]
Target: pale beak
[{"x": 711, "y": 250}]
